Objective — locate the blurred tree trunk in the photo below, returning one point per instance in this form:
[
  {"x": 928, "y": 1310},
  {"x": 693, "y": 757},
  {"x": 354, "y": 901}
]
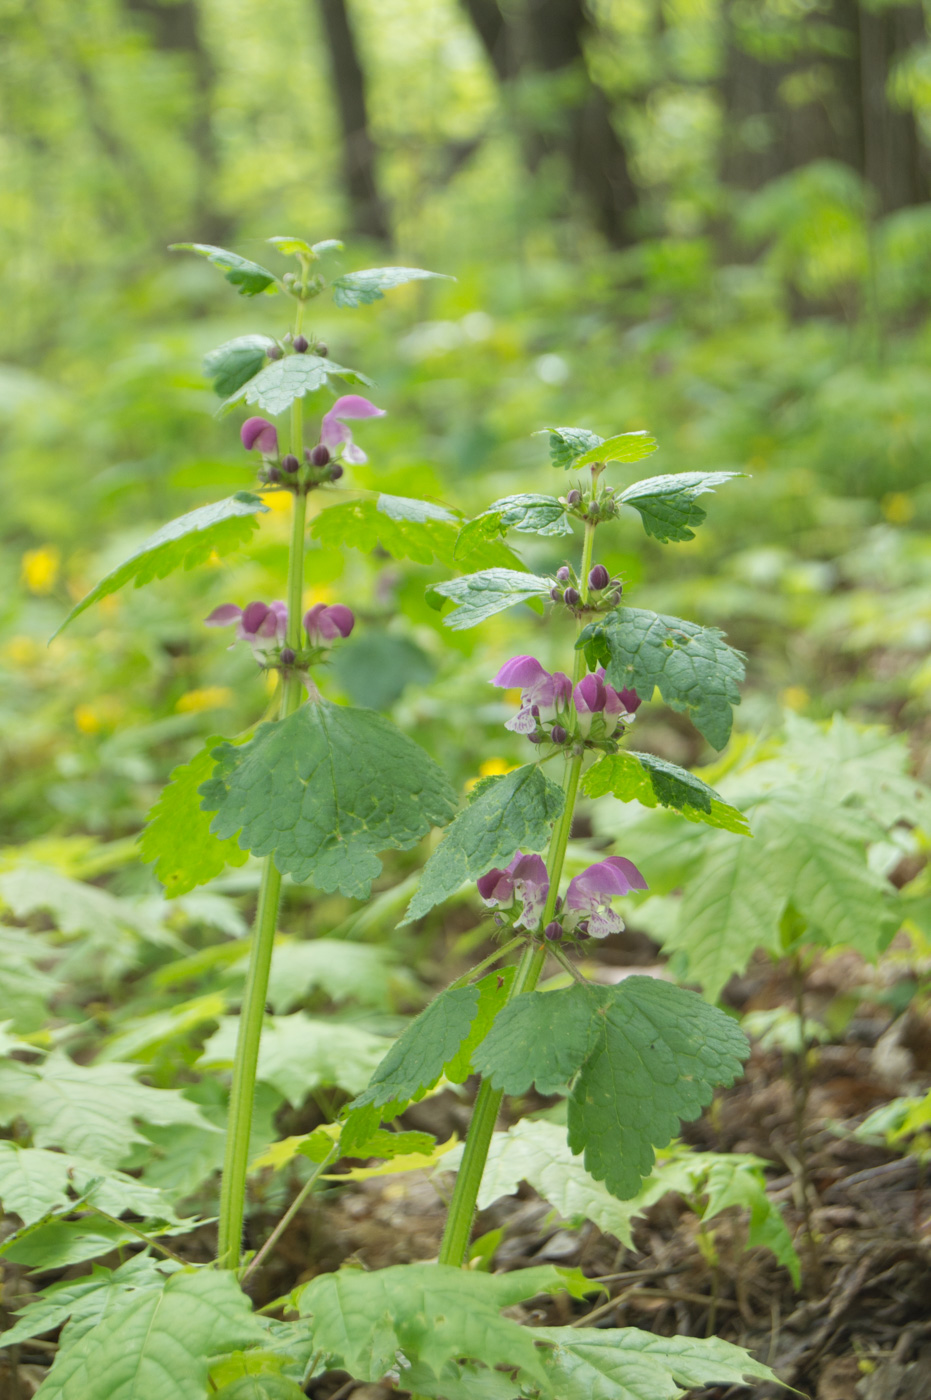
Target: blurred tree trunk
[
  {"x": 793, "y": 98},
  {"x": 367, "y": 208},
  {"x": 548, "y": 37},
  {"x": 175, "y": 28}
]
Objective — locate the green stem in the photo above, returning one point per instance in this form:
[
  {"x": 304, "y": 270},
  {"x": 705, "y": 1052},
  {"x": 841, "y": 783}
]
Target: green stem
[
  {"x": 462, "y": 1207},
  {"x": 252, "y": 1012}
]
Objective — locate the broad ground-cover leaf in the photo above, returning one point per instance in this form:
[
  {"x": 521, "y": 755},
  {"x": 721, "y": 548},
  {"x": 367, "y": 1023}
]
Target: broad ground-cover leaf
[
  {"x": 429, "y": 1313},
  {"x": 58, "y": 1244},
  {"x": 276, "y": 386},
  {"x": 537, "y": 1152},
  {"x": 627, "y": 1363},
  {"x": 652, "y": 781},
  {"x": 299, "y": 1054},
  {"x": 85, "y": 1300},
  {"x": 415, "y": 1061},
  {"x": 181, "y": 544},
  {"x": 668, "y": 505},
  {"x": 371, "y": 283},
  {"x": 572, "y": 448},
  {"x": 510, "y": 813},
  {"x": 343, "y": 971},
  {"x": 157, "y": 1343},
  {"x": 480, "y": 596},
  {"x": 693, "y": 667},
  {"x": 34, "y": 1181},
  {"x": 89, "y": 1109},
  {"x": 178, "y": 836},
  {"x": 77, "y": 907},
  {"x": 231, "y": 364},
  {"x": 324, "y": 790},
  {"x": 25, "y": 988},
  {"x": 641, "y": 1057},
  {"x": 250, "y": 278},
  {"x": 808, "y": 854}
]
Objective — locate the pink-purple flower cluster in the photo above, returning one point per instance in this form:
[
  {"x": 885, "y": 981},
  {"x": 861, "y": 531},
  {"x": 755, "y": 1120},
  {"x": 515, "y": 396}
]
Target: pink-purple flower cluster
[
  {"x": 586, "y": 909},
  {"x": 335, "y": 439},
  {"x": 265, "y": 626},
  {"x": 552, "y": 709}
]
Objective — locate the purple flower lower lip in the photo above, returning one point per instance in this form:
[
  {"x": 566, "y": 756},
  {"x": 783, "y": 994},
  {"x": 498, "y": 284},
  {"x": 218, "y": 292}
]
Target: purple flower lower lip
[
  {"x": 542, "y": 694},
  {"x": 590, "y": 894}
]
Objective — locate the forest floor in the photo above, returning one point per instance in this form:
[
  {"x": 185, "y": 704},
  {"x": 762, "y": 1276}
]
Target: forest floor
[{"x": 860, "y": 1214}]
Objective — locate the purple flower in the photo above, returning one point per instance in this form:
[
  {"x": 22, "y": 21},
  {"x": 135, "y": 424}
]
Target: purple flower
[
  {"x": 258, "y": 432},
  {"x": 589, "y": 895},
  {"x": 263, "y": 625},
  {"x": 526, "y": 880},
  {"x": 594, "y": 696},
  {"x": 542, "y": 694},
  {"x": 325, "y": 622},
  {"x": 333, "y": 431}
]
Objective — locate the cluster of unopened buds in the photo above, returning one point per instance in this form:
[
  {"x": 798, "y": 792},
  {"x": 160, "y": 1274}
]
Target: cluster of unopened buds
[
  {"x": 593, "y": 507},
  {"x": 604, "y": 592},
  {"x": 553, "y": 711},
  {"x": 585, "y": 912},
  {"x": 322, "y": 463},
  {"x": 265, "y": 627}
]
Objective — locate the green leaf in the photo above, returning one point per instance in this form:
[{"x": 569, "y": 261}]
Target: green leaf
[
  {"x": 509, "y": 813},
  {"x": 693, "y": 667},
  {"x": 493, "y": 991},
  {"x": 181, "y": 544},
  {"x": 91, "y": 1109},
  {"x": 57, "y": 1244},
  {"x": 641, "y": 1056},
  {"x": 177, "y": 836},
  {"x": 568, "y": 444},
  {"x": 808, "y": 855},
  {"x": 249, "y": 277},
  {"x": 737, "y": 1180},
  {"x": 532, "y": 514},
  {"x": 84, "y": 1300},
  {"x": 342, "y": 971},
  {"x": 416, "y": 1060},
  {"x": 361, "y": 288},
  {"x": 668, "y": 505},
  {"x": 231, "y": 364},
  {"x": 76, "y": 907},
  {"x": 32, "y": 1181},
  {"x": 324, "y": 790},
  {"x": 627, "y": 1363},
  {"x": 537, "y": 1152},
  {"x": 624, "y": 447},
  {"x": 658, "y": 1053},
  {"x": 157, "y": 1344},
  {"x": 540, "y": 1038},
  {"x": 572, "y": 448},
  {"x": 651, "y": 781},
  {"x": 479, "y": 596},
  {"x": 276, "y": 386},
  {"x": 261, "y": 1387},
  {"x": 294, "y": 247},
  {"x": 430, "y": 1313},
  {"x": 406, "y": 529},
  {"x": 299, "y": 1054}
]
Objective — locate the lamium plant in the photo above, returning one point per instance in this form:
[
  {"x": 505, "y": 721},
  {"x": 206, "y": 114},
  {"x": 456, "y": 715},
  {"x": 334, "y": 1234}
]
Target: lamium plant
[{"x": 320, "y": 789}]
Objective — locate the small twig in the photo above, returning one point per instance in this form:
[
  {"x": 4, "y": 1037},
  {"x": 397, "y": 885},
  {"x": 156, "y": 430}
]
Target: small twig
[
  {"x": 473, "y": 972},
  {"x": 288, "y": 1216},
  {"x": 560, "y": 957},
  {"x": 141, "y": 1234}
]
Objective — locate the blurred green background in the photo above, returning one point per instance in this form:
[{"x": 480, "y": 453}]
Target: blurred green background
[{"x": 707, "y": 219}]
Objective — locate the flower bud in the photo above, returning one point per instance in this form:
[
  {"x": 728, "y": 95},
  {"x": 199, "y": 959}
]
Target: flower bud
[
  {"x": 592, "y": 511},
  {"x": 572, "y": 597},
  {"x": 322, "y": 349},
  {"x": 301, "y": 344},
  {"x": 535, "y": 738},
  {"x": 273, "y": 474},
  {"x": 574, "y": 497},
  {"x": 288, "y": 656},
  {"x": 289, "y": 463},
  {"x": 558, "y": 735},
  {"x": 274, "y": 352},
  {"x": 319, "y": 455},
  {"x": 556, "y": 595},
  {"x": 599, "y": 578},
  {"x": 563, "y": 574},
  {"x": 336, "y": 471},
  {"x": 553, "y": 931}
]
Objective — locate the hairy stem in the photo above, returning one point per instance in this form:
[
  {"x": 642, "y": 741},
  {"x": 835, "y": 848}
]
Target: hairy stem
[
  {"x": 252, "y": 1012},
  {"x": 458, "y": 1230}
]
